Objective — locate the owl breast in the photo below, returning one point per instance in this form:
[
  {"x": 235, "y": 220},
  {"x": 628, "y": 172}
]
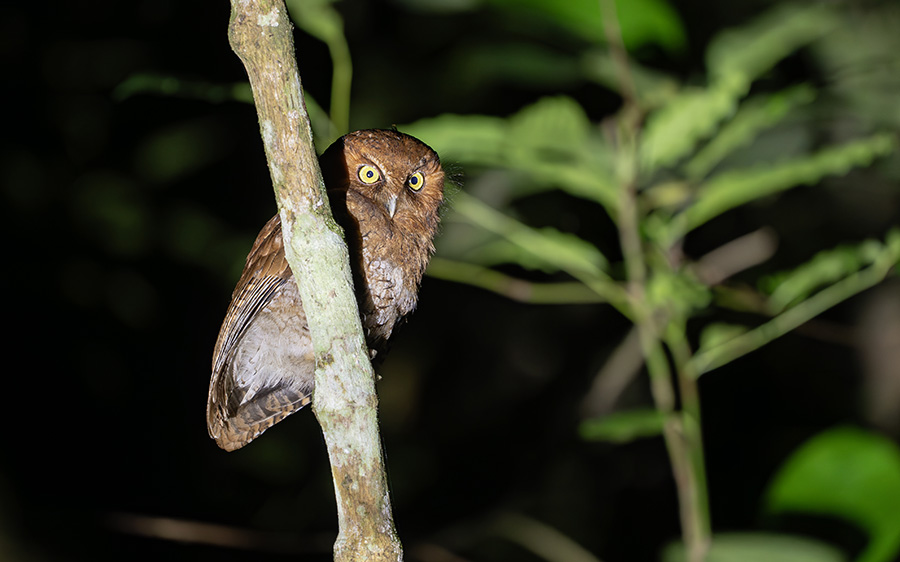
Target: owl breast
[
  {"x": 388, "y": 261},
  {"x": 388, "y": 298}
]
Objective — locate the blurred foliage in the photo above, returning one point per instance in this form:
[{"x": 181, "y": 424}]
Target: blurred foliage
[
  {"x": 659, "y": 178},
  {"x": 745, "y": 547},
  {"x": 622, "y": 427},
  {"x": 641, "y": 21},
  {"x": 320, "y": 19},
  {"x": 827, "y": 267},
  {"x": 552, "y": 145},
  {"x": 848, "y": 473},
  {"x": 144, "y": 83}
]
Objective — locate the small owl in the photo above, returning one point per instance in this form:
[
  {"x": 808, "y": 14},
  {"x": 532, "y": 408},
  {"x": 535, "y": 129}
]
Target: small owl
[{"x": 385, "y": 189}]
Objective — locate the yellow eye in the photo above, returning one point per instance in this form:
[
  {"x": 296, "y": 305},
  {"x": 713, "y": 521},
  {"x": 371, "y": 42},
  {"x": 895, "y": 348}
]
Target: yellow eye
[
  {"x": 416, "y": 181},
  {"x": 369, "y": 174}
]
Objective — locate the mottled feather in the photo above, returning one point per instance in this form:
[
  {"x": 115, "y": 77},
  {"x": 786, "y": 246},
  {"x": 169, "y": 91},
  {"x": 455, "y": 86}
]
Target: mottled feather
[{"x": 263, "y": 363}]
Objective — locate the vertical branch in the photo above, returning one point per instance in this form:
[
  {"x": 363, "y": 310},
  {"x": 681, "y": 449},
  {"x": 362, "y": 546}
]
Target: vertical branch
[
  {"x": 696, "y": 497},
  {"x": 344, "y": 399},
  {"x": 681, "y": 430},
  {"x": 617, "y": 51}
]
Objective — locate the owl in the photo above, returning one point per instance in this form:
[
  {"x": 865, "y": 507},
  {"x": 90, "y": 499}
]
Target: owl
[{"x": 385, "y": 189}]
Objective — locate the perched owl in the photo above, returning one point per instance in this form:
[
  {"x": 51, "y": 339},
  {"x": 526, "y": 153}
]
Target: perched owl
[{"x": 385, "y": 189}]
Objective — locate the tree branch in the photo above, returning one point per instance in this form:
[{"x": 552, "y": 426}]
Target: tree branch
[{"x": 344, "y": 399}]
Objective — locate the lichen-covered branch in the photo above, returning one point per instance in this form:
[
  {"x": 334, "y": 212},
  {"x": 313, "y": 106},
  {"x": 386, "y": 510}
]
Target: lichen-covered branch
[{"x": 344, "y": 400}]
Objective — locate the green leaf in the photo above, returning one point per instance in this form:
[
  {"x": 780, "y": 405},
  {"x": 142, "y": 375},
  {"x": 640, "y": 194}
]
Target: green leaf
[
  {"x": 735, "y": 58},
  {"x": 181, "y": 149},
  {"x": 473, "y": 139},
  {"x": 502, "y": 251},
  {"x": 825, "y": 268},
  {"x": 884, "y": 258},
  {"x": 527, "y": 65},
  {"x": 759, "y": 547},
  {"x": 677, "y": 290},
  {"x": 653, "y": 88},
  {"x": 753, "y": 116},
  {"x": 648, "y": 22},
  {"x": 114, "y": 211},
  {"x": 892, "y": 242},
  {"x": 163, "y": 85},
  {"x": 675, "y": 129},
  {"x": 623, "y": 427},
  {"x": 552, "y": 142},
  {"x": 555, "y": 250},
  {"x": 737, "y": 187},
  {"x": 863, "y": 36},
  {"x": 739, "y": 56},
  {"x": 849, "y": 473},
  {"x": 642, "y": 22},
  {"x": 590, "y": 182},
  {"x": 553, "y": 128},
  {"x": 718, "y": 333},
  {"x": 318, "y": 18}
]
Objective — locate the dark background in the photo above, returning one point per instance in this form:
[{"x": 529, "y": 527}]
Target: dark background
[{"x": 126, "y": 224}]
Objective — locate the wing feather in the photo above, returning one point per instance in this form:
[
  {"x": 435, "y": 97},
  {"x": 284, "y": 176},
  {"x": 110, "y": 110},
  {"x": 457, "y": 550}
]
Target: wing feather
[
  {"x": 265, "y": 273},
  {"x": 254, "y": 385}
]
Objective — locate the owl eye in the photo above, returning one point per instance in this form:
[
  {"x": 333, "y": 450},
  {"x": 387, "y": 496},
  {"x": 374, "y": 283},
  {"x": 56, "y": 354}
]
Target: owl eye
[
  {"x": 369, "y": 174},
  {"x": 416, "y": 181}
]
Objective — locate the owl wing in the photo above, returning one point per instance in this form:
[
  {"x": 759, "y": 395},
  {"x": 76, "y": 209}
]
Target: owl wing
[
  {"x": 265, "y": 272},
  {"x": 244, "y": 402}
]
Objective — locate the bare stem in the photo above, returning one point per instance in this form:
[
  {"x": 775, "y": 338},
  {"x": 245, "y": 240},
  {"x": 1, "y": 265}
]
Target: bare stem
[
  {"x": 617, "y": 50},
  {"x": 691, "y": 497},
  {"x": 697, "y": 495},
  {"x": 681, "y": 430},
  {"x": 344, "y": 400}
]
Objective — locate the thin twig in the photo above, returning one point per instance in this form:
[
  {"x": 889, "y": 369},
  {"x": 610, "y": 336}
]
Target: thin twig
[
  {"x": 512, "y": 287},
  {"x": 214, "y": 534},
  {"x": 541, "y": 539},
  {"x": 622, "y": 367},
  {"x": 713, "y": 358},
  {"x": 617, "y": 50},
  {"x": 697, "y": 494}
]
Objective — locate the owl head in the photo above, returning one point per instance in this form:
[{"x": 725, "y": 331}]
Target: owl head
[{"x": 384, "y": 176}]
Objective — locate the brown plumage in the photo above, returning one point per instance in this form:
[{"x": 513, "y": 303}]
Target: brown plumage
[{"x": 385, "y": 189}]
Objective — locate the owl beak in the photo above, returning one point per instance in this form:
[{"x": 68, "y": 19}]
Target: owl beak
[{"x": 391, "y": 206}]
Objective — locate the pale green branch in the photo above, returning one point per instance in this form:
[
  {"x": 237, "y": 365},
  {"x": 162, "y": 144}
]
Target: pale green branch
[
  {"x": 724, "y": 353},
  {"x": 584, "y": 268},
  {"x": 344, "y": 400},
  {"x": 512, "y": 287}
]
